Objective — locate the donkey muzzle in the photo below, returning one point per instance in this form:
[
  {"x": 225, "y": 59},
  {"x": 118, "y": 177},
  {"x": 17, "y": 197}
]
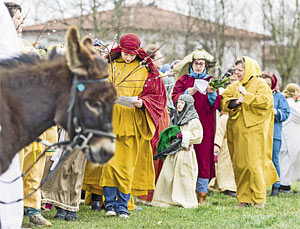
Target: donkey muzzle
[{"x": 100, "y": 151}]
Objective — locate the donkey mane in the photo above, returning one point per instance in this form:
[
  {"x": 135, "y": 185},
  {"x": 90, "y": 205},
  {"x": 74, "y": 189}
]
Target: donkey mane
[
  {"x": 27, "y": 59},
  {"x": 24, "y": 59}
]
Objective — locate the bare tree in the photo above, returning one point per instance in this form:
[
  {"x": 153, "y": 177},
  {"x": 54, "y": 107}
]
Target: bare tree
[
  {"x": 117, "y": 16},
  {"x": 188, "y": 22},
  {"x": 284, "y": 25}
]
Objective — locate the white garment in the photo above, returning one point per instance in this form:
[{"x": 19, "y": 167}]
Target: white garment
[
  {"x": 289, "y": 156},
  {"x": 176, "y": 184},
  {"x": 11, "y": 216},
  {"x": 9, "y": 41}
]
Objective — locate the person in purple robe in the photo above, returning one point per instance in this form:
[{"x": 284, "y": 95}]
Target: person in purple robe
[{"x": 193, "y": 80}]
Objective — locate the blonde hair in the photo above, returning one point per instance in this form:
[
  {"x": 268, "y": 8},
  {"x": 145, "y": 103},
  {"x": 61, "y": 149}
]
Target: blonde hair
[{"x": 290, "y": 90}]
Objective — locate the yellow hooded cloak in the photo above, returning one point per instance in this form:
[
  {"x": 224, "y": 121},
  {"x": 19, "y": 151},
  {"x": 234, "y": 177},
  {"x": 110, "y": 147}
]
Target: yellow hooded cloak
[{"x": 250, "y": 135}]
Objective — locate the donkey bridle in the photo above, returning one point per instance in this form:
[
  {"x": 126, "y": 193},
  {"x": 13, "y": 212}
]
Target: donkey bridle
[{"x": 74, "y": 120}]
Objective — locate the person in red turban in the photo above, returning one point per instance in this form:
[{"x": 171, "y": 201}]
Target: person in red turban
[{"x": 136, "y": 114}]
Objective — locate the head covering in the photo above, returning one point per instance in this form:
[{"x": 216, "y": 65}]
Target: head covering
[
  {"x": 274, "y": 86},
  {"x": 183, "y": 67},
  {"x": 290, "y": 90},
  {"x": 165, "y": 68},
  {"x": 130, "y": 43},
  {"x": 188, "y": 113},
  {"x": 174, "y": 63},
  {"x": 97, "y": 42},
  {"x": 251, "y": 69}
]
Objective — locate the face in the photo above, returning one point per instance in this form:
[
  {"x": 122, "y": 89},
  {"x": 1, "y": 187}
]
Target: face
[
  {"x": 240, "y": 71},
  {"x": 268, "y": 81},
  {"x": 180, "y": 105},
  {"x": 158, "y": 60},
  {"x": 128, "y": 58},
  {"x": 18, "y": 21},
  {"x": 198, "y": 66},
  {"x": 233, "y": 78}
]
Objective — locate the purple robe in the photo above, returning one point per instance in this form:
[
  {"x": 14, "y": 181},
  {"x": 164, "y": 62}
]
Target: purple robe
[{"x": 207, "y": 116}]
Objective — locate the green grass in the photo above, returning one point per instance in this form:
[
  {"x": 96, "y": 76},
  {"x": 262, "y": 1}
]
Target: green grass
[{"x": 218, "y": 212}]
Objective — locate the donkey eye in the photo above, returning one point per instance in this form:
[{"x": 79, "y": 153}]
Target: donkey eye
[{"x": 94, "y": 105}]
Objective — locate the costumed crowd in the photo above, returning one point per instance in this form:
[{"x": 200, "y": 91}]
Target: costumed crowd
[{"x": 180, "y": 132}]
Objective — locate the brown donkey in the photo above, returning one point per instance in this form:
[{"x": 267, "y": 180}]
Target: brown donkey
[{"x": 36, "y": 94}]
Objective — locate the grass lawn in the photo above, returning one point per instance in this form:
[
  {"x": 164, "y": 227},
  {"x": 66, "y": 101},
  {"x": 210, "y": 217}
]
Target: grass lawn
[{"x": 218, "y": 212}]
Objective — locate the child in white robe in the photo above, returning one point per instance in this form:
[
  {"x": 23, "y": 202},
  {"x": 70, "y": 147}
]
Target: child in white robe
[{"x": 176, "y": 185}]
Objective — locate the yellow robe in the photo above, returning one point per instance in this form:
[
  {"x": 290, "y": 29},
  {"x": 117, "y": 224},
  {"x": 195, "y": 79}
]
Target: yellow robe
[
  {"x": 133, "y": 127},
  {"x": 32, "y": 179},
  {"x": 250, "y": 135}
]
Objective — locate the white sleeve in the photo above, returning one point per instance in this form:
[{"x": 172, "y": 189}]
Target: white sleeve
[
  {"x": 295, "y": 112},
  {"x": 9, "y": 42}
]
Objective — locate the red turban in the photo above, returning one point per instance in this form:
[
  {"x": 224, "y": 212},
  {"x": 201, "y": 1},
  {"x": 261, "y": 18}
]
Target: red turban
[{"x": 130, "y": 43}]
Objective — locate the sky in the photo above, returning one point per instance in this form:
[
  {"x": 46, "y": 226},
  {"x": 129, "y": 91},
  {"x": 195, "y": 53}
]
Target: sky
[{"x": 243, "y": 14}]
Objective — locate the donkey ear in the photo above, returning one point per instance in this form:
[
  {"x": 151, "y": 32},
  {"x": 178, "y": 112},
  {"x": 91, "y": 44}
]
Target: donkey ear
[
  {"x": 88, "y": 43},
  {"x": 78, "y": 57}
]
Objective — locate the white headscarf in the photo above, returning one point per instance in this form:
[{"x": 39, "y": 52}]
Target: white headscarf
[{"x": 9, "y": 42}]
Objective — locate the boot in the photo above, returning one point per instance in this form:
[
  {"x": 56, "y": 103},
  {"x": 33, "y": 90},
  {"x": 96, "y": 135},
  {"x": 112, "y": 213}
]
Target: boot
[
  {"x": 60, "y": 214},
  {"x": 96, "y": 205},
  {"x": 275, "y": 191},
  {"x": 71, "y": 216},
  {"x": 201, "y": 197},
  {"x": 96, "y": 202},
  {"x": 39, "y": 220}
]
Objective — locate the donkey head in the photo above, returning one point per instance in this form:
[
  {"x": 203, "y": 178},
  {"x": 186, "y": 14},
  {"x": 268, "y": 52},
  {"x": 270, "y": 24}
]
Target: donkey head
[{"x": 93, "y": 104}]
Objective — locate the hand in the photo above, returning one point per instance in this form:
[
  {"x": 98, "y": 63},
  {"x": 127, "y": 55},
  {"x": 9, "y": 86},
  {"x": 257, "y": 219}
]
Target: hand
[
  {"x": 179, "y": 135},
  {"x": 191, "y": 91},
  {"x": 275, "y": 111},
  {"x": 242, "y": 90},
  {"x": 138, "y": 103},
  {"x": 215, "y": 158},
  {"x": 216, "y": 149},
  {"x": 240, "y": 100},
  {"x": 209, "y": 89}
]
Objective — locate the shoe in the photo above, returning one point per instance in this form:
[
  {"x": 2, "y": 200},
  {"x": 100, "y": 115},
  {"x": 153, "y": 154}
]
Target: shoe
[
  {"x": 96, "y": 205},
  {"x": 201, "y": 197},
  {"x": 243, "y": 205},
  {"x": 229, "y": 193},
  {"x": 288, "y": 192},
  {"x": 110, "y": 211},
  {"x": 259, "y": 205},
  {"x": 60, "y": 214},
  {"x": 138, "y": 208},
  {"x": 39, "y": 220},
  {"x": 287, "y": 189},
  {"x": 124, "y": 215},
  {"x": 71, "y": 216},
  {"x": 275, "y": 191}
]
